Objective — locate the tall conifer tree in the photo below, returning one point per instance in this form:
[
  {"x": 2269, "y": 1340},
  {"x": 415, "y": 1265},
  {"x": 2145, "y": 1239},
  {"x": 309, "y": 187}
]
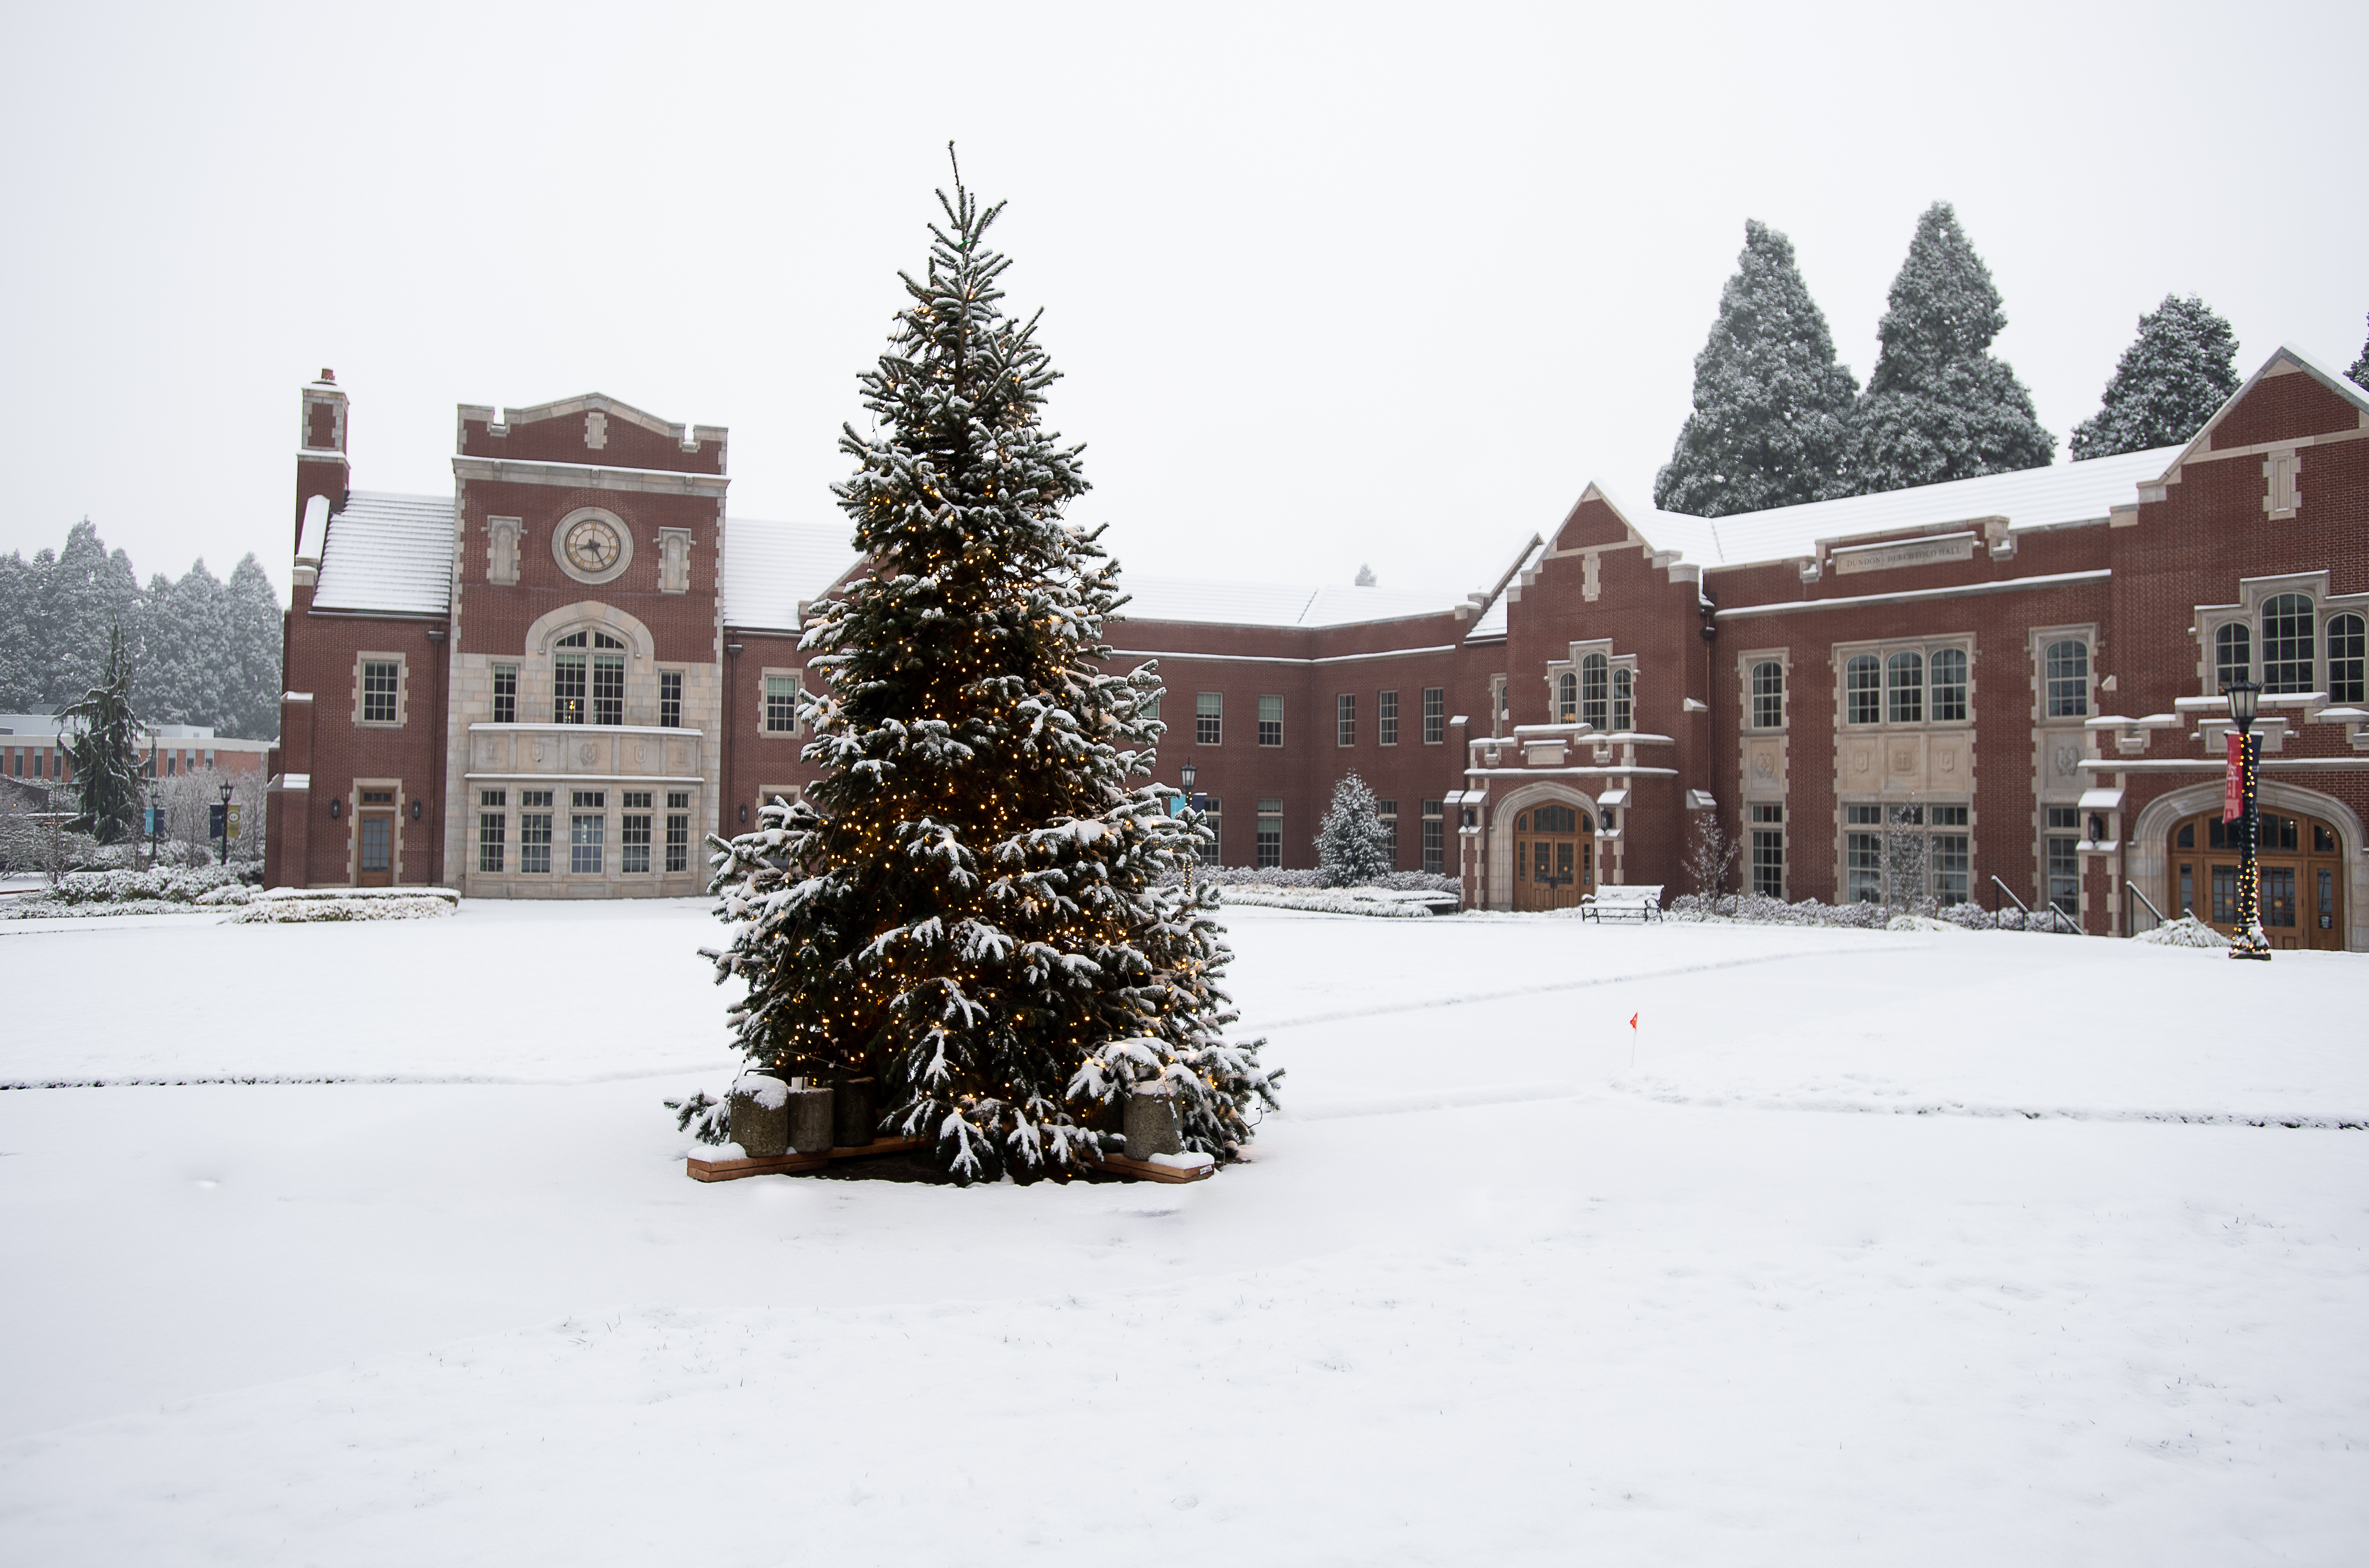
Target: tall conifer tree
[
  {"x": 968, "y": 904},
  {"x": 2183, "y": 366},
  {"x": 105, "y": 750},
  {"x": 1772, "y": 405},
  {"x": 1939, "y": 407},
  {"x": 253, "y": 627},
  {"x": 2359, "y": 374}
]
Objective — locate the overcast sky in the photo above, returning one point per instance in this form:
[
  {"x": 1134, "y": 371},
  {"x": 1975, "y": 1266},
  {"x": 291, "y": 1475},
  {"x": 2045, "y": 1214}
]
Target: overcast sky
[{"x": 1328, "y": 286}]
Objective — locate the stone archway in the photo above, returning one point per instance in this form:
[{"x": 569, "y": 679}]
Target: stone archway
[
  {"x": 1508, "y": 831},
  {"x": 2148, "y": 863}
]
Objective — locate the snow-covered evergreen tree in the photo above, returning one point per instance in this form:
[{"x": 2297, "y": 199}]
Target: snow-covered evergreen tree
[
  {"x": 252, "y": 628},
  {"x": 2359, "y": 374},
  {"x": 188, "y": 655},
  {"x": 105, "y": 752},
  {"x": 20, "y": 669},
  {"x": 1353, "y": 848},
  {"x": 2183, "y": 366},
  {"x": 967, "y": 905},
  {"x": 1939, "y": 407},
  {"x": 83, "y": 597},
  {"x": 1772, "y": 405}
]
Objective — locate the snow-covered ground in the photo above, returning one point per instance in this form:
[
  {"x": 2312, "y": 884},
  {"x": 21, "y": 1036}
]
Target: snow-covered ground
[{"x": 1508, "y": 1281}]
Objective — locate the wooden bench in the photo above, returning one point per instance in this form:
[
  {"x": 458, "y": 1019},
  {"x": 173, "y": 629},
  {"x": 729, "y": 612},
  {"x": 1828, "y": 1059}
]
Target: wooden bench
[
  {"x": 700, "y": 1170},
  {"x": 1641, "y": 902}
]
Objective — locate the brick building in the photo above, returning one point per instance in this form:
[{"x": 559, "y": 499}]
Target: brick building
[{"x": 557, "y": 681}]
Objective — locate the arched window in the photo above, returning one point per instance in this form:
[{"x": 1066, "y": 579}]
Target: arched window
[
  {"x": 1566, "y": 698},
  {"x": 1949, "y": 685},
  {"x": 2233, "y": 656},
  {"x": 1768, "y": 695},
  {"x": 1862, "y": 690},
  {"x": 588, "y": 679},
  {"x": 2348, "y": 660},
  {"x": 2066, "y": 668},
  {"x": 1595, "y": 690},
  {"x": 1624, "y": 700},
  {"x": 1904, "y": 680},
  {"x": 2286, "y": 644}
]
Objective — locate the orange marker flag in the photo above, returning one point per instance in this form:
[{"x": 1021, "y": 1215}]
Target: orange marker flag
[{"x": 1632, "y": 1021}]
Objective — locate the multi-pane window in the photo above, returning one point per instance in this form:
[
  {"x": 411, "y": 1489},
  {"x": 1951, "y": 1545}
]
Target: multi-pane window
[
  {"x": 1345, "y": 719},
  {"x": 1904, "y": 688},
  {"x": 1624, "y": 700},
  {"x": 588, "y": 679},
  {"x": 1566, "y": 707},
  {"x": 1213, "y": 818},
  {"x": 380, "y": 678},
  {"x": 780, "y": 704},
  {"x": 1434, "y": 835},
  {"x": 1864, "y": 689},
  {"x": 506, "y": 693},
  {"x": 1949, "y": 677},
  {"x": 1951, "y": 855},
  {"x": 1386, "y": 719},
  {"x": 567, "y": 683},
  {"x": 1497, "y": 708},
  {"x": 2287, "y": 644},
  {"x": 670, "y": 698},
  {"x": 633, "y": 832},
  {"x": 1767, "y": 695},
  {"x": 1270, "y": 833},
  {"x": 2065, "y": 668},
  {"x": 1270, "y": 721},
  {"x": 2233, "y": 656},
  {"x": 1769, "y": 851},
  {"x": 1863, "y": 852},
  {"x": 2063, "y": 861},
  {"x": 587, "y": 832},
  {"x": 607, "y": 689},
  {"x": 678, "y": 830},
  {"x": 535, "y": 829},
  {"x": 490, "y": 844},
  {"x": 1208, "y": 718},
  {"x": 1434, "y": 715},
  {"x": 1387, "y": 813},
  {"x": 2348, "y": 660},
  {"x": 1594, "y": 691}
]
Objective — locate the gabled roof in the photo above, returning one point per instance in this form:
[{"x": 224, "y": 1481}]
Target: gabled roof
[
  {"x": 772, "y": 568},
  {"x": 2290, "y": 356},
  {"x": 388, "y": 554},
  {"x": 2031, "y": 497}
]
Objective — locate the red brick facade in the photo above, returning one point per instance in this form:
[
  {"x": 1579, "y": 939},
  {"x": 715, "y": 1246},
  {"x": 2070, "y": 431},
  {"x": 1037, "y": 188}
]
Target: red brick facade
[{"x": 1628, "y": 650}]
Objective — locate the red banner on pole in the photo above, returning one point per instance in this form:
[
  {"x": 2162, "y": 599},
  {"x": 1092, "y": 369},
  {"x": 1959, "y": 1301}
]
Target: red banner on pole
[{"x": 2233, "y": 785}]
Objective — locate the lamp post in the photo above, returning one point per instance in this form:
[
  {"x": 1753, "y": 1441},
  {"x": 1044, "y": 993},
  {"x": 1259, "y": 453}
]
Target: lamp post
[
  {"x": 2245, "y": 701},
  {"x": 155, "y": 818},
  {"x": 1188, "y": 772},
  {"x": 226, "y": 822}
]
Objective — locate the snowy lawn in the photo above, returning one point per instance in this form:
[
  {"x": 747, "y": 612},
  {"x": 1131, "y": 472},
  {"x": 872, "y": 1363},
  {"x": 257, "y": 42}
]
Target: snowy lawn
[{"x": 1490, "y": 1292}]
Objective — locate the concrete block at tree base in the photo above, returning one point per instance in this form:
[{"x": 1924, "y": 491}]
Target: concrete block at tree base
[
  {"x": 855, "y": 1111},
  {"x": 1151, "y": 1125},
  {"x": 810, "y": 1118},
  {"x": 760, "y": 1116}
]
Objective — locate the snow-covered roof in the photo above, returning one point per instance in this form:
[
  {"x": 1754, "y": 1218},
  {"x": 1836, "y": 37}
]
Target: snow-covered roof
[
  {"x": 1272, "y": 604},
  {"x": 769, "y": 568},
  {"x": 2034, "y": 497},
  {"x": 1492, "y": 620},
  {"x": 389, "y": 554}
]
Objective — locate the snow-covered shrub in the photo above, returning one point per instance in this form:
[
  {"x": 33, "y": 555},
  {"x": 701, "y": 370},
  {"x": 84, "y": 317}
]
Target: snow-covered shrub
[
  {"x": 406, "y": 906},
  {"x": 702, "y": 1115},
  {"x": 1328, "y": 900},
  {"x": 1277, "y": 876},
  {"x": 1352, "y": 845},
  {"x": 236, "y": 893},
  {"x": 170, "y": 884},
  {"x": 2185, "y": 931}
]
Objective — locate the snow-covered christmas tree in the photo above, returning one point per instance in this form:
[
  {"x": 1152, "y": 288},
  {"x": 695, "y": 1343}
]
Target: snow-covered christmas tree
[
  {"x": 1353, "y": 848},
  {"x": 105, "y": 752},
  {"x": 1939, "y": 407},
  {"x": 968, "y": 906},
  {"x": 1773, "y": 406},
  {"x": 2183, "y": 366}
]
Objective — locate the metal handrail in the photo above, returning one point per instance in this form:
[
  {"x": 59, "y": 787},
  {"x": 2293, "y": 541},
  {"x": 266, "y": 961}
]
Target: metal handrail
[
  {"x": 2132, "y": 890},
  {"x": 2011, "y": 898}
]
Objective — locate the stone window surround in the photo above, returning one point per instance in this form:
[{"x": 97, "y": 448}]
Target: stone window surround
[
  {"x": 541, "y": 642},
  {"x": 2036, "y": 643},
  {"x": 354, "y": 829},
  {"x": 402, "y": 690},
  {"x": 1745, "y": 662},
  {"x": 1783, "y": 826},
  {"x": 1844, "y": 827},
  {"x": 2252, "y": 594},
  {"x": 798, "y": 678},
  {"x": 1841, "y": 654},
  {"x": 1571, "y": 665}
]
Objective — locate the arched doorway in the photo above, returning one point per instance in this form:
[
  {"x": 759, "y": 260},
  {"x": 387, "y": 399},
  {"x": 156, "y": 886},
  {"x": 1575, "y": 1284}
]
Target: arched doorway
[
  {"x": 1554, "y": 856},
  {"x": 2302, "y": 861}
]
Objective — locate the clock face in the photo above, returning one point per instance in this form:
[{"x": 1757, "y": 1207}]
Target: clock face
[{"x": 593, "y": 545}]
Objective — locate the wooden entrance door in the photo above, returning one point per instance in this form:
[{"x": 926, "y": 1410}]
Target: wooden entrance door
[
  {"x": 2302, "y": 863},
  {"x": 1554, "y": 858},
  {"x": 374, "y": 838}
]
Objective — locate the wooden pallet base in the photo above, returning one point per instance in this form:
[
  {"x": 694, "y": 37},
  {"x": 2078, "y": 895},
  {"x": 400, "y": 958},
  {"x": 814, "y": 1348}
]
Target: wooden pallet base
[
  {"x": 1120, "y": 1165},
  {"x": 700, "y": 1169}
]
